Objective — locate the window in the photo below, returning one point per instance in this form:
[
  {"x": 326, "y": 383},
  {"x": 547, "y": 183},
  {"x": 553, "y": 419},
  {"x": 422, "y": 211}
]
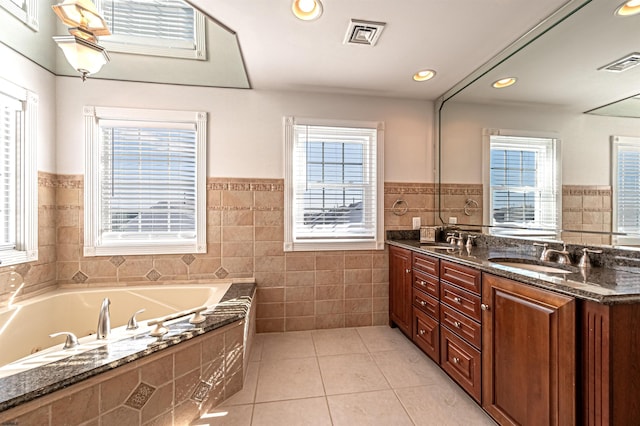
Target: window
[
  {"x": 626, "y": 189},
  {"x": 135, "y": 28},
  {"x": 18, "y": 175},
  {"x": 146, "y": 181},
  {"x": 333, "y": 185},
  {"x": 25, "y": 10},
  {"x": 522, "y": 184}
]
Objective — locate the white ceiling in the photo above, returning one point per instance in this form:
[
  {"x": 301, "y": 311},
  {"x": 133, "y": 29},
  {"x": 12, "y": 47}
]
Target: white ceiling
[{"x": 453, "y": 37}]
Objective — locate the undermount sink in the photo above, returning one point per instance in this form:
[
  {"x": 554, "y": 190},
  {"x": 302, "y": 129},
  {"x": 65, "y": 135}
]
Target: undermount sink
[
  {"x": 437, "y": 246},
  {"x": 531, "y": 266}
]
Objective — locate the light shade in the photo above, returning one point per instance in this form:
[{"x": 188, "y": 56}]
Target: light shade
[
  {"x": 628, "y": 8},
  {"x": 84, "y": 56},
  {"x": 307, "y": 10},
  {"x": 83, "y": 14}
]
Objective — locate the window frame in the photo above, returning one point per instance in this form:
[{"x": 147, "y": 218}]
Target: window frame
[
  {"x": 93, "y": 245},
  {"x": 27, "y": 15},
  {"x": 618, "y": 142},
  {"x": 121, "y": 43},
  {"x": 515, "y": 229},
  {"x": 291, "y": 244},
  {"x": 26, "y": 203}
]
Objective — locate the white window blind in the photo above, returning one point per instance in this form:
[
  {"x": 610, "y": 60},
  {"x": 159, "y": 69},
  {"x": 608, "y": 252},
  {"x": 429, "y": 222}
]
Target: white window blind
[
  {"x": 24, "y": 10},
  {"x": 333, "y": 185},
  {"x": 626, "y": 188},
  {"x": 154, "y": 27},
  {"x": 146, "y": 175},
  {"x": 524, "y": 186},
  {"x": 10, "y": 111},
  {"x": 148, "y": 181}
]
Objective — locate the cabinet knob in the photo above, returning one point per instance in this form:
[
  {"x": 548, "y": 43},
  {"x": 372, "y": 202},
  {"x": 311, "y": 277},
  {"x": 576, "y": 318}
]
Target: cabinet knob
[
  {"x": 458, "y": 324},
  {"x": 408, "y": 271},
  {"x": 485, "y": 307},
  {"x": 421, "y": 332},
  {"x": 423, "y": 284},
  {"x": 423, "y": 303},
  {"x": 457, "y": 300},
  {"x": 456, "y": 360}
]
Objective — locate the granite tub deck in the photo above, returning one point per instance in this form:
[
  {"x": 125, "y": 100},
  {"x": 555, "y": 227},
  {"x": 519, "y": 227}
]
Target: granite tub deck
[
  {"x": 607, "y": 284},
  {"x": 141, "y": 379}
]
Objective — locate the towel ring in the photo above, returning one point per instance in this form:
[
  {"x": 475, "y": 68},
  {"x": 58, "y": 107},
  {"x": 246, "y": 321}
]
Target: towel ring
[
  {"x": 468, "y": 205},
  {"x": 400, "y": 207}
]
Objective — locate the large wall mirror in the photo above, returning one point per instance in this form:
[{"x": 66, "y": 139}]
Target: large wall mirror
[
  {"x": 564, "y": 92},
  {"x": 220, "y": 63}
]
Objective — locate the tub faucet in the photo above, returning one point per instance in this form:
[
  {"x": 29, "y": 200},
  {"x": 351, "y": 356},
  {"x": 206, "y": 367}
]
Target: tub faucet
[{"x": 104, "y": 322}]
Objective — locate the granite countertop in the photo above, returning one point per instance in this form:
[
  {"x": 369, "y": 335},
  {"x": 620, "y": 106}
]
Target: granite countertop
[
  {"x": 607, "y": 285},
  {"x": 30, "y": 384}
]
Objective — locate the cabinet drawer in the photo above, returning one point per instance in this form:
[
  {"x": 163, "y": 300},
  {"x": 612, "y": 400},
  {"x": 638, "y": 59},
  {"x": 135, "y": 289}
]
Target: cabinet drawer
[
  {"x": 462, "y": 301},
  {"x": 463, "y": 276},
  {"x": 464, "y": 327},
  {"x": 426, "y": 334},
  {"x": 427, "y": 283},
  {"x": 461, "y": 361},
  {"x": 426, "y": 304},
  {"x": 426, "y": 263}
]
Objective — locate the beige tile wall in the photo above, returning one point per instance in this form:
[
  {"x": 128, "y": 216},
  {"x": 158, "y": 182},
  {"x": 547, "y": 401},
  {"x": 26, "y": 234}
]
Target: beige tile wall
[
  {"x": 296, "y": 291},
  {"x": 586, "y": 208},
  {"x": 454, "y": 197}
]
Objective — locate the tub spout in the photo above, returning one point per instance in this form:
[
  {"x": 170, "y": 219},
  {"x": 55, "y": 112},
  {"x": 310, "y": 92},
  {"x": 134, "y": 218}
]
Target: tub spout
[{"x": 104, "y": 322}]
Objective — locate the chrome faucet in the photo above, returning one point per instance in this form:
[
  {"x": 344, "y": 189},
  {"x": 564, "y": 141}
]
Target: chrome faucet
[
  {"x": 104, "y": 322},
  {"x": 563, "y": 255},
  {"x": 458, "y": 241}
]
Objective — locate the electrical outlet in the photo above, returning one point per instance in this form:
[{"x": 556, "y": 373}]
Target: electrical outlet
[
  {"x": 416, "y": 223},
  {"x": 453, "y": 220}
]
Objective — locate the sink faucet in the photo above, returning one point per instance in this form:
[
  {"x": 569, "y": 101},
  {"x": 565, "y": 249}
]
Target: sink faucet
[
  {"x": 452, "y": 239},
  {"x": 104, "y": 322},
  {"x": 563, "y": 255}
]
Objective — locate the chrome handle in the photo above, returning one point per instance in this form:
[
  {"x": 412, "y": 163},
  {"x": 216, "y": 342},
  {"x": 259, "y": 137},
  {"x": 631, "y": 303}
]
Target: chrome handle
[
  {"x": 407, "y": 271},
  {"x": 485, "y": 307},
  {"x": 422, "y": 302},
  {"x": 133, "y": 322},
  {"x": 423, "y": 284},
  {"x": 457, "y": 300},
  {"x": 458, "y": 324},
  {"x": 421, "y": 332},
  {"x": 71, "y": 342},
  {"x": 456, "y": 360}
]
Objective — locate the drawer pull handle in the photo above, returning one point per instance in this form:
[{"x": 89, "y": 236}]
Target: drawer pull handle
[
  {"x": 456, "y": 360},
  {"x": 423, "y": 284},
  {"x": 408, "y": 271},
  {"x": 457, "y": 299},
  {"x": 458, "y": 324},
  {"x": 421, "y": 332},
  {"x": 423, "y": 303},
  {"x": 485, "y": 307}
]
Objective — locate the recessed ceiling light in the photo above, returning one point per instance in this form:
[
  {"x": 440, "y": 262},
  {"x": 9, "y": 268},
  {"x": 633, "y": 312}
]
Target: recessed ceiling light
[
  {"x": 504, "y": 82},
  {"x": 628, "y": 8},
  {"x": 424, "y": 75},
  {"x": 307, "y": 10}
]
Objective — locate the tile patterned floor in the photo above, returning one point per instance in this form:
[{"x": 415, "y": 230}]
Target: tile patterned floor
[{"x": 353, "y": 376}]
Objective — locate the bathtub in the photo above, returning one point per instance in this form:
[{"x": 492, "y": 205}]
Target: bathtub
[{"x": 25, "y": 327}]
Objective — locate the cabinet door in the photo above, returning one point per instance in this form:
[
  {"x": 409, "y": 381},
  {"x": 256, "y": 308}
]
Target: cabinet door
[
  {"x": 529, "y": 354},
  {"x": 400, "y": 280}
]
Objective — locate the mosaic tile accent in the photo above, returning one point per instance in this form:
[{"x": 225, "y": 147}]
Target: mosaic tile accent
[
  {"x": 188, "y": 259},
  {"x": 153, "y": 275},
  {"x": 201, "y": 392},
  {"x": 140, "y": 396},
  {"x": 80, "y": 277},
  {"x": 117, "y": 260},
  {"x": 221, "y": 272}
]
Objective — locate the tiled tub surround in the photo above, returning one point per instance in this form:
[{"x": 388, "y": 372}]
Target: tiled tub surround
[
  {"x": 615, "y": 278},
  {"x": 168, "y": 380}
]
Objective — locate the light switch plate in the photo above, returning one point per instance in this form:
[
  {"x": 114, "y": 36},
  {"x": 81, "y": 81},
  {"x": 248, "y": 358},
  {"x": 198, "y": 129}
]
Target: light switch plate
[
  {"x": 416, "y": 223},
  {"x": 453, "y": 220}
]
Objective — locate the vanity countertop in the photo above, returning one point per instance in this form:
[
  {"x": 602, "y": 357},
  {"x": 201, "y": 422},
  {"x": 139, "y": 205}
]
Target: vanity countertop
[{"x": 607, "y": 285}]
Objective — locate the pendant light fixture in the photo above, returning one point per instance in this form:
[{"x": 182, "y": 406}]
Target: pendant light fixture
[{"x": 81, "y": 48}]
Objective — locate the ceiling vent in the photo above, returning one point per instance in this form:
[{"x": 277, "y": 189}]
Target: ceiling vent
[
  {"x": 363, "y": 32},
  {"x": 623, "y": 64}
]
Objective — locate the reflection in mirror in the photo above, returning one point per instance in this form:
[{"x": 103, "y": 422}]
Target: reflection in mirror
[
  {"x": 217, "y": 62},
  {"x": 560, "y": 76}
]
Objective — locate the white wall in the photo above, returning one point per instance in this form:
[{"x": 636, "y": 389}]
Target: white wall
[
  {"x": 28, "y": 75},
  {"x": 245, "y": 130},
  {"x": 585, "y": 139}
]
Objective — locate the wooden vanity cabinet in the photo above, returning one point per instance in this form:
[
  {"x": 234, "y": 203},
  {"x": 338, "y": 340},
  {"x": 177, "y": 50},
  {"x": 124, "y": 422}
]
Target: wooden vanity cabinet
[
  {"x": 426, "y": 306},
  {"x": 460, "y": 321},
  {"x": 529, "y": 354},
  {"x": 610, "y": 372},
  {"x": 400, "y": 289}
]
